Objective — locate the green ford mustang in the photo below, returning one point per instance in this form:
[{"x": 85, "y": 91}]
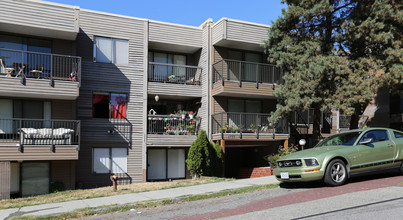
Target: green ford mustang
[{"x": 340, "y": 156}]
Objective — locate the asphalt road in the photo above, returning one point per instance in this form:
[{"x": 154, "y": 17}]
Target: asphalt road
[{"x": 371, "y": 197}]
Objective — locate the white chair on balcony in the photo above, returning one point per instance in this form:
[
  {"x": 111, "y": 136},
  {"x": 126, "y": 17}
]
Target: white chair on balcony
[
  {"x": 7, "y": 70},
  {"x": 38, "y": 71}
]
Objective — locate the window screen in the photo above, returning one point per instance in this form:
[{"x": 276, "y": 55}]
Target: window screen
[{"x": 101, "y": 160}]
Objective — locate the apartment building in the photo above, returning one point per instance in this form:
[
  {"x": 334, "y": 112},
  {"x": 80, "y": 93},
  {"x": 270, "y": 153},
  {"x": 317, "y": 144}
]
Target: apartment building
[
  {"x": 86, "y": 94},
  {"x": 39, "y": 85}
]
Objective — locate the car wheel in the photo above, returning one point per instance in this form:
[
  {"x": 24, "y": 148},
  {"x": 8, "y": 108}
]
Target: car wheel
[
  {"x": 401, "y": 168},
  {"x": 336, "y": 173}
]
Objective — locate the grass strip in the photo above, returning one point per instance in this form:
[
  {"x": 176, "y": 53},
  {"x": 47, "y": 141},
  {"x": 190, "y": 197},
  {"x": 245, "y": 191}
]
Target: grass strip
[
  {"x": 95, "y": 211},
  {"x": 78, "y": 194}
]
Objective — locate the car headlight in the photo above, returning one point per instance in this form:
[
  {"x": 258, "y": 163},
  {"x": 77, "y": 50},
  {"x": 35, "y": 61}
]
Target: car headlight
[{"x": 311, "y": 162}]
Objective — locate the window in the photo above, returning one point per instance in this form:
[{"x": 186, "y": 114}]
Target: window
[
  {"x": 376, "y": 135},
  {"x": 110, "y": 50},
  {"x": 398, "y": 134},
  {"x": 109, "y": 105},
  {"x": 109, "y": 160},
  {"x": 161, "y": 72}
]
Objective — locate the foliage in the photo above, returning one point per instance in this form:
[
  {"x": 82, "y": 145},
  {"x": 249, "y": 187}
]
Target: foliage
[
  {"x": 56, "y": 187},
  {"x": 273, "y": 160},
  {"x": 204, "y": 158},
  {"x": 217, "y": 160},
  {"x": 283, "y": 151},
  {"x": 335, "y": 54}
]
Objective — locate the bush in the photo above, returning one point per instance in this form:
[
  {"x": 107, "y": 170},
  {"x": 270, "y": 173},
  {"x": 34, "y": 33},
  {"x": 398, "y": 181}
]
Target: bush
[
  {"x": 283, "y": 151},
  {"x": 198, "y": 161},
  {"x": 217, "y": 159},
  {"x": 204, "y": 158},
  {"x": 56, "y": 187},
  {"x": 273, "y": 160}
]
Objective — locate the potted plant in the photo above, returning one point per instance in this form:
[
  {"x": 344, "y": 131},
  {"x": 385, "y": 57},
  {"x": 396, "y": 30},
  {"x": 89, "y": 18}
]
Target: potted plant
[{"x": 191, "y": 114}]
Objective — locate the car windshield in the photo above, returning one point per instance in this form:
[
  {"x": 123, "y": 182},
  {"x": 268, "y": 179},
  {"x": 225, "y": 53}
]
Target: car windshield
[{"x": 346, "y": 139}]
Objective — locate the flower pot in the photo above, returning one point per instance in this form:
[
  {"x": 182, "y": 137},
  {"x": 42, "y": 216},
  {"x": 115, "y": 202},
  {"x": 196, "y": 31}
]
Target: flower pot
[
  {"x": 183, "y": 116},
  {"x": 191, "y": 116}
]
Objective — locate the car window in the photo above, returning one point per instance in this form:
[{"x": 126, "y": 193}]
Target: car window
[
  {"x": 346, "y": 139},
  {"x": 398, "y": 134},
  {"x": 376, "y": 135}
]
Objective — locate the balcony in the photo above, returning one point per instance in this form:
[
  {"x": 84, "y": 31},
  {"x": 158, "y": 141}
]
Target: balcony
[
  {"x": 39, "y": 139},
  {"x": 32, "y": 75},
  {"x": 40, "y": 18},
  {"x": 245, "y": 79},
  {"x": 170, "y": 130},
  {"x": 302, "y": 122},
  {"x": 173, "y": 79},
  {"x": 248, "y": 126}
]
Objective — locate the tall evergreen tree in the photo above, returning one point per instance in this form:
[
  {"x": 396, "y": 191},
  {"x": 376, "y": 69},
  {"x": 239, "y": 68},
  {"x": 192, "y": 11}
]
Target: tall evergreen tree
[
  {"x": 372, "y": 42},
  {"x": 314, "y": 43}
]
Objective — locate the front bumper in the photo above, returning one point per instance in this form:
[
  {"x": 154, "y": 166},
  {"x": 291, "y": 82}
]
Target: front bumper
[{"x": 298, "y": 174}]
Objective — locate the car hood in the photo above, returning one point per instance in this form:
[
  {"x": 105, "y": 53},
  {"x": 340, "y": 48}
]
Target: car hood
[{"x": 313, "y": 152}]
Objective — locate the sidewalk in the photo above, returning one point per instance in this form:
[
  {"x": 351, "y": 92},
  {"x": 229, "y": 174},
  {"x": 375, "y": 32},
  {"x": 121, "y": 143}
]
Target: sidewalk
[{"x": 58, "y": 208}]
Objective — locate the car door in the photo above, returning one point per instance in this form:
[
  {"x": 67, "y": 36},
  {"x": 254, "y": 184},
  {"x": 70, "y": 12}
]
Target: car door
[{"x": 378, "y": 153}]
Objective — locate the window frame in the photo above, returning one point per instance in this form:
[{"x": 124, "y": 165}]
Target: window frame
[
  {"x": 113, "y": 50},
  {"x": 110, "y": 157}
]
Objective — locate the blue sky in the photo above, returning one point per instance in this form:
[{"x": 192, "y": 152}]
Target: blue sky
[{"x": 187, "y": 12}]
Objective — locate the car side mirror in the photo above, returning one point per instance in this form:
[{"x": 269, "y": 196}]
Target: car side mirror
[{"x": 365, "y": 141}]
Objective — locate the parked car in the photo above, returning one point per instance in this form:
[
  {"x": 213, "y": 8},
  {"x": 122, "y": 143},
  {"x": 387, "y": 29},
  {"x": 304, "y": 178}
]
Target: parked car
[{"x": 340, "y": 156}]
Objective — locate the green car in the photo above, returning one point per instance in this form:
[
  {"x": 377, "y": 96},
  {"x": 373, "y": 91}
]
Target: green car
[{"x": 340, "y": 156}]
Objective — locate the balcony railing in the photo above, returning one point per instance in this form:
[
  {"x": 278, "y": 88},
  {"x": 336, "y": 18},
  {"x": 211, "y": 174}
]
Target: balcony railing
[
  {"x": 231, "y": 122},
  {"x": 173, "y": 73},
  {"x": 40, "y": 65},
  {"x": 305, "y": 119},
  {"x": 241, "y": 71},
  {"x": 172, "y": 125},
  {"x": 40, "y": 131}
]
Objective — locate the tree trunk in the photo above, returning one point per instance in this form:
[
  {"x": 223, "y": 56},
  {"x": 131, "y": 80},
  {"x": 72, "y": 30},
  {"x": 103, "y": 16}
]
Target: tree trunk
[
  {"x": 196, "y": 176},
  {"x": 316, "y": 125},
  {"x": 355, "y": 117}
]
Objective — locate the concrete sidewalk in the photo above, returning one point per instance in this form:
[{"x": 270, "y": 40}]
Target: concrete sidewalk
[{"x": 57, "y": 208}]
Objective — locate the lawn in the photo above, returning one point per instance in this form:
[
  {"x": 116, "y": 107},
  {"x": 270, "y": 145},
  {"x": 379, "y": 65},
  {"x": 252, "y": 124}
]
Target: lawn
[{"x": 102, "y": 192}]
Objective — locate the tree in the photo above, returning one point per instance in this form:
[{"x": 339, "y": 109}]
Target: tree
[
  {"x": 314, "y": 44},
  {"x": 372, "y": 42},
  {"x": 198, "y": 161}
]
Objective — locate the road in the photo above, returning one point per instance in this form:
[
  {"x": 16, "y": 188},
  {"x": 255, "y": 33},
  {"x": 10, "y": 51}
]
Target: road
[{"x": 371, "y": 197}]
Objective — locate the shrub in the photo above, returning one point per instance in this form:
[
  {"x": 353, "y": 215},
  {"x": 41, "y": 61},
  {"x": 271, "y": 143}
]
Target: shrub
[
  {"x": 283, "y": 151},
  {"x": 198, "y": 161},
  {"x": 204, "y": 158}
]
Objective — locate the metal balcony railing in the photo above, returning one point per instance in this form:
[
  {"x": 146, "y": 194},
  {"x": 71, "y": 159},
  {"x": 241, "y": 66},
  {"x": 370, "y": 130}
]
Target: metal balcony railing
[
  {"x": 28, "y": 64},
  {"x": 172, "y": 125},
  {"x": 305, "y": 119},
  {"x": 173, "y": 73},
  {"x": 235, "y": 122},
  {"x": 39, "y": 131},
  {"x": 242, "y": 71}
]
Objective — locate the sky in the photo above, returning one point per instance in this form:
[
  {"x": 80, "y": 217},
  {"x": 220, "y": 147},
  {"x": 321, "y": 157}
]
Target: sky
[{"x": 188, "y": 12}]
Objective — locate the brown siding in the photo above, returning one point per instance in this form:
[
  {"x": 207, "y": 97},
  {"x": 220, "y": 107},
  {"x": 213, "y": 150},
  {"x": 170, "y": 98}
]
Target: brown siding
[
  {"x": 64, "y": 47},
  {"x": 5, "y": 180},
  {"x": 65, "y": 172},
  {"x": 38, "y": 153},
  {"x": 247, "y": 90},
  {"x": 170, "y": 140},
  {"x": 34, "y": 88},
  {"x": 106, "y": 77},
  {"x": 62, "y": 109}
]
